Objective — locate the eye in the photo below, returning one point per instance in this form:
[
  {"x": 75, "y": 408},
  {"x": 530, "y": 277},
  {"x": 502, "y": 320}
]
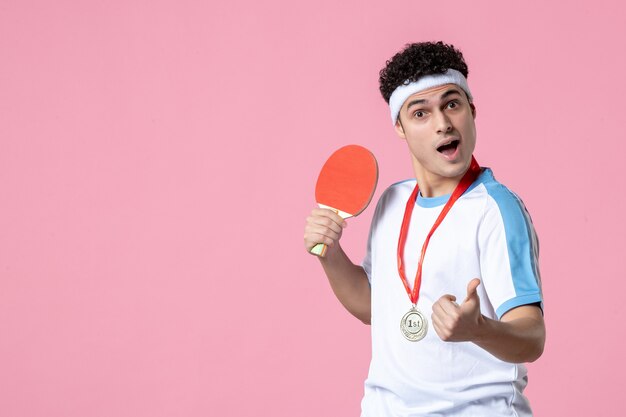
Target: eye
[
  {"x": 419, "y": 114},
  {"x": 453, "y": 104}
]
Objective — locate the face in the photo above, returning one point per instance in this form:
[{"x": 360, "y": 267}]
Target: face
[{"x": 438, "y": 126}]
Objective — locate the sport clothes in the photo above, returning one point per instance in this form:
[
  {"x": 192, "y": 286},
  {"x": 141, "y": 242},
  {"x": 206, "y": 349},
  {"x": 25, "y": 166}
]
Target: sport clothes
[{"x": 487, "y": 234}]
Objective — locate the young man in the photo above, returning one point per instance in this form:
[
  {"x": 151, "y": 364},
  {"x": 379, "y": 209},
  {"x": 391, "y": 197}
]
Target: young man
[{"x": 450, "y": 282}]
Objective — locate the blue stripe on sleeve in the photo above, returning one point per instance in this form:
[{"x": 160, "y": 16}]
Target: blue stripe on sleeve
[
  {"x": 521, "y": 245},
  {"x": 519, "y": 301}
]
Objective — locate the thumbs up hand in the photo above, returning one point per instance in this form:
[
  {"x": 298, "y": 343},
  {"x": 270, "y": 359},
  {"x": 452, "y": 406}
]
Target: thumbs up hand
[{"x": 458, "y": 323}]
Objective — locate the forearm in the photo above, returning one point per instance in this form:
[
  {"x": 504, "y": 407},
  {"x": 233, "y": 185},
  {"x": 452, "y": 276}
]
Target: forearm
[
  {"x": 349, "y": 283},
  {"x": 519, "y": 337}
]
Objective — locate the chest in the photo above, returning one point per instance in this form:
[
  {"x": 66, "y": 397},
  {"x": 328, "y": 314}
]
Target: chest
[{"x": 451, "y": 259}]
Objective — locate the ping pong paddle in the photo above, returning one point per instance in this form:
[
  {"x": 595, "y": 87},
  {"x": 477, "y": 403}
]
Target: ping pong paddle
[{"x": 346, "y": 184}]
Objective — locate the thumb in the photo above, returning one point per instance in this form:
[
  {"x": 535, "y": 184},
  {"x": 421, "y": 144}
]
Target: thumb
[{"x": 471, "y": 289}]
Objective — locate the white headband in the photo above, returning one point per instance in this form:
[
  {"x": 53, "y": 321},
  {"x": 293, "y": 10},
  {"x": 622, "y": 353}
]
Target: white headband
[{"x": 400, "y": 94}]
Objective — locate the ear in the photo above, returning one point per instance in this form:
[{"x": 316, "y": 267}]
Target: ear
[
  {"x": 473, "y": 110},
  {"x": 399, "y": 128}
]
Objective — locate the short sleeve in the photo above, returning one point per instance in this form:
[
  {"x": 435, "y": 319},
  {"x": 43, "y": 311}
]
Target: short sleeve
[
  {"x": 509, "y": 252},
  {"x": 369, "y": 255},
  {"x": 367, "y": 260}
]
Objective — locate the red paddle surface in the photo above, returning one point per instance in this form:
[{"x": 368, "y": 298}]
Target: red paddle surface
[{"x": 348, "y": 180}]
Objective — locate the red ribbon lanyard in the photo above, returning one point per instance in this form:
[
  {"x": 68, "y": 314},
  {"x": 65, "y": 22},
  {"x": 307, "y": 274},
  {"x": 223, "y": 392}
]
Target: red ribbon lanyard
[{"x": 467, "y": 180}]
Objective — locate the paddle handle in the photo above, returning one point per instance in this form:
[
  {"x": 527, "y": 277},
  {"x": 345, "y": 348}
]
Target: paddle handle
[{"x": 320, "y": 249}]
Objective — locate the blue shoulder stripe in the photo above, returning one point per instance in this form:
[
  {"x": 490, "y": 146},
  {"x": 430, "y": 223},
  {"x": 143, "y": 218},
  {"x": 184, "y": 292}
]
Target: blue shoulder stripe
[{"x": 522, "y": 246}]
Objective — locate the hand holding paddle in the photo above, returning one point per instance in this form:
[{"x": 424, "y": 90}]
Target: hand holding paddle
[{"x": 345, "y": 185}]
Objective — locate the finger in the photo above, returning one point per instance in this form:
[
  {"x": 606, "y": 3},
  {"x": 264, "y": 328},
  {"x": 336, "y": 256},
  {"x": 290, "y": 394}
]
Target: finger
[
  {"x": 311, "y": 240},
  {"x": 315, "y": 238},
  {"x": 448, "y": 305},
  {"x": 438, "y": 305},
  {"x": 325, "y": 222},
  {"x": 471, "y": 288},
  {"x": 331, "y": 214},
  {"x": 318, "y": 234},
  {"x": 438, "y": 310},
  {"x": 439, "y": 327},
  {"x": 322, "y": 230},
  {"x": 435, "y": 320}
]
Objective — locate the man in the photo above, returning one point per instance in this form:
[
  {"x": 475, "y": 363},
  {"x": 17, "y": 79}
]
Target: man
[{"x": 450, "y": 282}]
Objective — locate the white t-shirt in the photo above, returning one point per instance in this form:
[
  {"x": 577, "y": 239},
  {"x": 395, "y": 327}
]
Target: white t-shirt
[{"x": 487, "y": 234}]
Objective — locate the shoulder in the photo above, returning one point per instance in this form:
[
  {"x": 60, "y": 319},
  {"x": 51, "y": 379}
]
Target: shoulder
[
  {"x": 393, "y": 200},
  {"x": 397, "y": 192},
  {"x": 505, "y": 215},
  {"x": 500, "y": 199}
]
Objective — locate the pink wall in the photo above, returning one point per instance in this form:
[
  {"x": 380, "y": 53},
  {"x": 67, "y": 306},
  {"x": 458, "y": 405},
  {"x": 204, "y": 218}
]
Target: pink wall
[{"x": 158, "y": 158}]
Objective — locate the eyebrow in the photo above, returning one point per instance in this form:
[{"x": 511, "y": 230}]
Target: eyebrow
[{"x": 444, "y": 95}]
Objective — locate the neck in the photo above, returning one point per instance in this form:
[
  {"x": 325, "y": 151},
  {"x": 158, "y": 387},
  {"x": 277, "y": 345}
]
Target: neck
[
  {"x": 437, "y": 188},
  {"x": 432, "y": 185}
]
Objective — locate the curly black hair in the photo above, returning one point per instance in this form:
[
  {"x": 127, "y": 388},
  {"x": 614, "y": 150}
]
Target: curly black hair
[{"x": 417, "y": 60}]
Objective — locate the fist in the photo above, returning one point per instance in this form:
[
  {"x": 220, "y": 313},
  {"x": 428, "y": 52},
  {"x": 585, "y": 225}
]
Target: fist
[
  {"x": 458, "y": 323},
  {"x": 323, "y": 226}
]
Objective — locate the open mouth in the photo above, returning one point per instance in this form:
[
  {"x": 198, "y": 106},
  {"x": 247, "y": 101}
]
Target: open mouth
[{"x": 449, "y": 148}]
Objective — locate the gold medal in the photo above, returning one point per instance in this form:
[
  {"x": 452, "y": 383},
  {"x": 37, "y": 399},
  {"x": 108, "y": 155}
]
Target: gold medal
[{"x": 414, "y": 325}]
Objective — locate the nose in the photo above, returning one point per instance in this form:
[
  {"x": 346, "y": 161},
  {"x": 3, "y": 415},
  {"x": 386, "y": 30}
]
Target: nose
[{"x": 442, "y": 122}]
